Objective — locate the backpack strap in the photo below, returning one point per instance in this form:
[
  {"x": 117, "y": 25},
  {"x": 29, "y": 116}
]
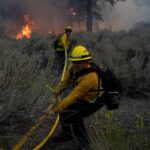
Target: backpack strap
[
  {"x": 93, "y": 68},
  {"x": 98, "y": 93},
  {"x": 83, "y": 72}
]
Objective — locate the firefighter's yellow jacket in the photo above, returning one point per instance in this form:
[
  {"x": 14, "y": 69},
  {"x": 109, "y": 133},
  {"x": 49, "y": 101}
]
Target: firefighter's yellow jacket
[
  {"x": 64, "y": 42},
  {"x": 85, "y": 88}
]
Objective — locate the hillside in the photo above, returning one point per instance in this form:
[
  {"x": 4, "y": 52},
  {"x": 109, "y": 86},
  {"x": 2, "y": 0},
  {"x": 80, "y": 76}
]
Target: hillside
[{"x": 27, "y": 65}]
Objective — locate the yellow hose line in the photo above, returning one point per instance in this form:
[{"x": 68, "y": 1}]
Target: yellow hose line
[
  {"x": 51, "y": 132},
  {"x": 24, "y": 139},
  {"x": 39, "y": 146},
  {"x": 65, "y": 66}
]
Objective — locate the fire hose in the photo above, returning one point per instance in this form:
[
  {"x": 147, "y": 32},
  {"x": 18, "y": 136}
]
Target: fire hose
[{"x": 24, "y": 139}]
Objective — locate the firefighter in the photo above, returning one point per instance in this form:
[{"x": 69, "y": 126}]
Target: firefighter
[
  {"x": 64, "y": 40},
  {"x": 61, "y": 44},
  {"x": 81, "y": 101}
]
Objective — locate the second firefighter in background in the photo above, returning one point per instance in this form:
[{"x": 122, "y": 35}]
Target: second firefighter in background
[{"x": 63, "y": 43}]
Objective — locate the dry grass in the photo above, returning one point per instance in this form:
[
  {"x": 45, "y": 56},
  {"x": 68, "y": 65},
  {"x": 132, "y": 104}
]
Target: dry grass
[{"x": 23, "y": 95}]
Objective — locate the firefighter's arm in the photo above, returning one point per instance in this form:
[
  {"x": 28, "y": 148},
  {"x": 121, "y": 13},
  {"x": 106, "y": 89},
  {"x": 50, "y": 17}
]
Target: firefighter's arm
[
  {"x": 87, "y": 84},
  {"x": 63, "y": 40},
  {"x": 67, "y": 79}
]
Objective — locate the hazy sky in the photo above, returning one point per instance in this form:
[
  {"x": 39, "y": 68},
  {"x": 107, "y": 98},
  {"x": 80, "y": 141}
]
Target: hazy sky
[
  {"x": 51, "y": 14},
  {"x": 125, "y": 14},
  {"x": 47, "y": 15}
]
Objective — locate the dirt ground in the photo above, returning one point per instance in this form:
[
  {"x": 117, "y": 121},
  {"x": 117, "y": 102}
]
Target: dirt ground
[
  {"x": 132, "y": 106},
  {"x": 130, "y": 109}
]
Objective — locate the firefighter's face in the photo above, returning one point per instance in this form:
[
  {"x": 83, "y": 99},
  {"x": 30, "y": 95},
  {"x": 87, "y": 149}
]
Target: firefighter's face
[
  {"x": 68, "y": 33},
  {"x": 79, "y": 65}
]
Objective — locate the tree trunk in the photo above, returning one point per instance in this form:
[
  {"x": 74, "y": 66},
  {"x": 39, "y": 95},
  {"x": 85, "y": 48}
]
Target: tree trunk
[{"x": 89, "y": 16}]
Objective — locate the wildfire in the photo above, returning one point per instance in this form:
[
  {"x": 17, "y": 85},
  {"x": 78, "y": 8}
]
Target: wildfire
[{"x": 26, "y": 29}]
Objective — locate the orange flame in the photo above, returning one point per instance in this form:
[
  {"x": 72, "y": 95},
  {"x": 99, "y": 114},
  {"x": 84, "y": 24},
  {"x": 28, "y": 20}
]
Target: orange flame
[{"x": 26, "y": 29}]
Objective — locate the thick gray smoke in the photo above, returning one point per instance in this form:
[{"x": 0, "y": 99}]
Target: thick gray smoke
[
  {"x": 126, "y": 14},
  {"x": 47, "y": 15}
]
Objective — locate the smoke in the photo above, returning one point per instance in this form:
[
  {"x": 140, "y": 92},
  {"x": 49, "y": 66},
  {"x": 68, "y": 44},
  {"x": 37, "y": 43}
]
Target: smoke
[
  {"x": 52, "y": 15},
  {"x": 124, "y": 15},
  {"x": 47, "y": 15}
]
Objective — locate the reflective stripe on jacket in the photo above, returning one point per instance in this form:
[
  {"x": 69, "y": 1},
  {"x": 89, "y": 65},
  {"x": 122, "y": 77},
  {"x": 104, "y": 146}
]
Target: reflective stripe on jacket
[{"x": 86, "y": 87}]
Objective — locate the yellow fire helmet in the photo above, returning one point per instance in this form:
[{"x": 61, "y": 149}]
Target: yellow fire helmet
[
  {"x": 68, "y": 29},
  {"x": 80, "y": 53}
]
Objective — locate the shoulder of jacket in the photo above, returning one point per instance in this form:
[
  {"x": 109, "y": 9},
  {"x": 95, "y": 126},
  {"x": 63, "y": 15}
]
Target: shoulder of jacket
[
  {"x": 90, "y": 76},
  {"x": 90, "y": 79},
  {"x": 63, "y": 34}
]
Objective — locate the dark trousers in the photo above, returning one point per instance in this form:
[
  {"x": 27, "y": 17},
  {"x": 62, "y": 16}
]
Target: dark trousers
[
  {"x": 73, "y": 118},
  {"x": 59, "y": 60}
]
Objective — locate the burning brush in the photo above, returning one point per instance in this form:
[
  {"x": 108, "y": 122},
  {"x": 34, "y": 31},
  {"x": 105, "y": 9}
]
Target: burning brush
[{"x": 27, "y": 28}]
